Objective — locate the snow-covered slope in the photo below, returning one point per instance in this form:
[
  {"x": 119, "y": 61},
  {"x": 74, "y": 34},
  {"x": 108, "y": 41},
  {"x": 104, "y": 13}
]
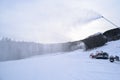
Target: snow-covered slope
[{"x": 74, "y": 65}]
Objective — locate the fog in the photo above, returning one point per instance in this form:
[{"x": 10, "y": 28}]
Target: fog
[
  {"x": 44, "y": 21},
  {"x": 15, "y": 50}
]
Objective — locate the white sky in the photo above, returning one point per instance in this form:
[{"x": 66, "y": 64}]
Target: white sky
[{"x": 49, "y": 21}]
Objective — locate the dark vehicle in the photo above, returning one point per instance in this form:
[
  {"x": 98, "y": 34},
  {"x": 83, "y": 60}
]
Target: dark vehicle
[
  {"x": 111, "y": 59},
  {"x": 103, "y": 55},
  {"x": 117, "y": 58},
  {"x": 100, "y": 55}
]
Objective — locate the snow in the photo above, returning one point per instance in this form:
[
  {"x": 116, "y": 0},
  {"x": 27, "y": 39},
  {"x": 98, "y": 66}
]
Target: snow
[{"x": 74, "y": 65}]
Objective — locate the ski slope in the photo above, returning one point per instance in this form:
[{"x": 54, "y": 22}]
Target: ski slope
[{"x": 74, "y": 65}]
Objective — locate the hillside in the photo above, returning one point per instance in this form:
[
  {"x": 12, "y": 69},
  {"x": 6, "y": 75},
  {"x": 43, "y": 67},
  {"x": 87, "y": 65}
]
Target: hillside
[{"x": 74, "y": 65}]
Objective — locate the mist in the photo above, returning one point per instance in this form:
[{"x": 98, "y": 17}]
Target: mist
[
  {"x": 41, "y": 27},
  {"x": 44, "y": 21},
  {"x": 16, "y": 50}
]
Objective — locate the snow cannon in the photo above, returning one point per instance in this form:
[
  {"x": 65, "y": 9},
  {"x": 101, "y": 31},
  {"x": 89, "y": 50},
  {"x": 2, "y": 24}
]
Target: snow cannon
[{"x": 110, "y": 22}]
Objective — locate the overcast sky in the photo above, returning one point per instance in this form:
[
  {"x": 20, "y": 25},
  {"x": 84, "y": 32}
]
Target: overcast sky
[{"x": 49, "y": 21}]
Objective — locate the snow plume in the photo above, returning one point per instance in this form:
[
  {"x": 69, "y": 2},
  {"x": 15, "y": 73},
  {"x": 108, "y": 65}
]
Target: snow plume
[
  {"x": 15, "y": 50},
  {"x": 86, "y": 16},
  {"x": 44, "y": 21}
]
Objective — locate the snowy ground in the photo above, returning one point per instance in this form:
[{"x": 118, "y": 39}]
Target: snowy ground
[{"x": 74, "y": 65}]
